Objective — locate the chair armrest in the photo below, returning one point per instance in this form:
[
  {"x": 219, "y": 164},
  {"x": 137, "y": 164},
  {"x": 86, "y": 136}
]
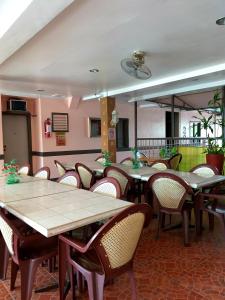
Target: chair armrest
[{"x": 76, "y": 244}]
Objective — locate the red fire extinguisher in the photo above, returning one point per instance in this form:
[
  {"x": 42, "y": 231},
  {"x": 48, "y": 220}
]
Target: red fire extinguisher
[{"x": 48, "y": 128}]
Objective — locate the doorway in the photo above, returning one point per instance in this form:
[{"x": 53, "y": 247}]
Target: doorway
[
  {"x": 16, "y": 128},
  {"x": 168, "y": 124}
]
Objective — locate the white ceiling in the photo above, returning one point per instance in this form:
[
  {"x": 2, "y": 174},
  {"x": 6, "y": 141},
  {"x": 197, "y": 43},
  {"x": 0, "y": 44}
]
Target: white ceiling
[{"x": 180, "y": 38}]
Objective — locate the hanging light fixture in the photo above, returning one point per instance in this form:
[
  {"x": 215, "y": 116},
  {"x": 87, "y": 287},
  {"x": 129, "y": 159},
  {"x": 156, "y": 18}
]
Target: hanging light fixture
[{"x": 115, "y": 118}]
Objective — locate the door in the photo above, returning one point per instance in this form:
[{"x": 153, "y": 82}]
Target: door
[
  {"x": 16, "y": 139},
  {"x": 168, "y": 124}
]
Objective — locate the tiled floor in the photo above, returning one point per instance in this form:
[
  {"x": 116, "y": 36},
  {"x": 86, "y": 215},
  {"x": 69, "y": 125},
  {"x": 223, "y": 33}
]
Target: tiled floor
[{"x": 164, "y": 269}]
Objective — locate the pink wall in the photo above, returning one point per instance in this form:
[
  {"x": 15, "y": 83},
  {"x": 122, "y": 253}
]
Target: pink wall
[{"x": 77, "y": 137}]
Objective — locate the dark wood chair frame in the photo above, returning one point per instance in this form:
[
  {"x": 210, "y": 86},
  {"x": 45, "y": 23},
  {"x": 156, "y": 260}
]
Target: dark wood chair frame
[
  {"x": 26, "y": 165},
  {"x": 126, "y": 159},
  {"x": 71, "y": 173},
  {"x": 112, "y": 180},
  {"x": 29, "y": 252},
  {"x": 92, "y": 181},
  {"x": 213, "y": 168},
  {"x": 101, "y": 156},
  {"x": 183, "y": 208},
  {"x": 43, "y": 169},
  {"x": 171, "y": 158},
  {"x": 207, "y": 202},
  {"x": 160, "y": 161},
  {"x": 96, "y": 278},
  {"x": 128, "y": 193},
  {"x": 61, "y": 165}
]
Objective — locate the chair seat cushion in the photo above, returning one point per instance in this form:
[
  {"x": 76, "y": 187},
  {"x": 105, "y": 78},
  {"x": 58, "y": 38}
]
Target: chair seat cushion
[
  {"x": 36, "y": 245},
  {"x": 88, "y": 261}
]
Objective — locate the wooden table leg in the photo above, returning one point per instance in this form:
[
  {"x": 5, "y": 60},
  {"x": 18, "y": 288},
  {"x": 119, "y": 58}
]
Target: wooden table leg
[{"x": 4, "y": 258}]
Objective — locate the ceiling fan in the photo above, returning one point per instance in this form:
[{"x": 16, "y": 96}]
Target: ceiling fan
[{"x": 135, "y": 66}]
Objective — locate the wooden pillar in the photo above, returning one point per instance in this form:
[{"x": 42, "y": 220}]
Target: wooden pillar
[{"x": 108, "y": 132}]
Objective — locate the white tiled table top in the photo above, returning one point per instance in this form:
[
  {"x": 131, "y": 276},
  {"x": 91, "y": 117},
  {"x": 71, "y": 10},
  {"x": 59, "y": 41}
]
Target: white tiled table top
[
  {"x": 22, "y": 178},
  {"x": 98, "y": 167},
  {"x": 57, "y": 213},
  {"x": 31, "y": 189},
  {"x": 194, "y": 180}
]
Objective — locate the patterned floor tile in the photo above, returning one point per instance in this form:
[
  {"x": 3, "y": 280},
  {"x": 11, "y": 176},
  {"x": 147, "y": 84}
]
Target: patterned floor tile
[{"x": 164, "y": 270}]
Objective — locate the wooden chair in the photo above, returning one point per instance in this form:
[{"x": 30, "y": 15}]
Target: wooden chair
[
  {"x": 100, "y": 159},
  {"x": 205, "y": 170},
  {"x": 108, "y": 186},
  {"x": 160, "y": 165},
  {"x": 214, "y": 205},
  {"x": 109, "y": 253},
  {"x": 70, "y": 178},
  {"x": 128, "y": 161},
  {"x": 124, "y": 180},
  {"x": 170, "y": 192},
  {"x": 175, "y": 160},
  {"x": 24, "y": 170},
  {"x": 43, "y": 173},
  {"x": 87, "y": 177},
  {"x": 27, "y": 252},
  {"x": 61, "y": 169}
]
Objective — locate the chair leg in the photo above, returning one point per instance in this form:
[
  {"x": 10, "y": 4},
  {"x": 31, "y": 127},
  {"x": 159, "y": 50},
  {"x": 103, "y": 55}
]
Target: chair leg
[
  {"x": 133, "y": 285},
  {"x": 4, "y": 258},
  {"x": 186, "y": 227},
  {"x": 99, "y": 284},
  {"x": 160, "y": 217},
  {"x": 72, "y": 281},
  {"x": 222, "y": 222},
  {"x": 14, "y": 270},
  {"x": 62, "y": 269},
  {"x": 28, "y": 270},
  {"x": 211, "y": 221}
]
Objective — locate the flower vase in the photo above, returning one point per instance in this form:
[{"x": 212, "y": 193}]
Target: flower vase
[
  {"x": 107, "y": 163},
  {"x": 12, "y": 178},
  {"x": 136, "y": 164}
]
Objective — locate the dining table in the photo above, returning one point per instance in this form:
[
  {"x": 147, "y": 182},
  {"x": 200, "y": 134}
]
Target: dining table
[
  {"x": 144, "y": 173},
  {"x": 52, "y": 208}
]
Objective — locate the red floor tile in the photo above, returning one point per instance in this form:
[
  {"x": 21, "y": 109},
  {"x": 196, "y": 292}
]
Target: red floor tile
[{"x": 164, "y": 270}]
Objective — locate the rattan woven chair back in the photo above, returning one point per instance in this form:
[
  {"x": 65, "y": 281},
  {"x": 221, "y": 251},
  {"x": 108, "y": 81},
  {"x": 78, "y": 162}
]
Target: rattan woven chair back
[
  {"x": 160, "y": 165},
  {"x": 28, "y": 251},
  {"x": 127, "y": 162},
  {"x": 87, "y": 177},
  {"x": 175, "y": 160},
  {"x": 107, "y": 186},
  {"x": 70, "y": 178},
  {"x": 7, "y": 234},
  {"x": 24, "y": 170},
  {"x": 43, "y": 173},
  {"x": 169, "y": 190},
  {"x": 100, "y": 159},
  {"x": 114, "y": 244},
  {"x": 61, "y": 169},
  {"x": 122, "y": 177},
  {"x": 205, "y": 170}
]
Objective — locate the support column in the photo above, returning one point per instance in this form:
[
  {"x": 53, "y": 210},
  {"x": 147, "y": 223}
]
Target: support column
[
  {"x": 108, "y": 132},
  {"x": 135, "y": 124},
  {"x": 172, "y": 117},
  {"x": 223, "y": 113}
]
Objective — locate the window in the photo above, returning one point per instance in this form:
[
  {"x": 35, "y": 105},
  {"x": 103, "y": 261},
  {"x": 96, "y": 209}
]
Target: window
[
  {"x": 94, "y": 127},
  {"x": 122, "y": 134}
]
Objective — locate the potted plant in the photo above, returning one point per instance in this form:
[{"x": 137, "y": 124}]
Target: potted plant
[
  {"x": 135, "y": 160},
  {"x": 107, "y": 158},
  {"x": 11, "y": 170},
  {"x": 167, "y": 152},
  {"x": 214, "y": 150}
]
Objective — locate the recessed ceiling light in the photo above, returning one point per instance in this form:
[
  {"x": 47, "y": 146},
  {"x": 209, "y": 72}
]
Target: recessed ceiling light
[
  {"x": 94, "y": 70},
  {"x": 40, "y": 90},
  {"x": 220, "y": 21}
]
